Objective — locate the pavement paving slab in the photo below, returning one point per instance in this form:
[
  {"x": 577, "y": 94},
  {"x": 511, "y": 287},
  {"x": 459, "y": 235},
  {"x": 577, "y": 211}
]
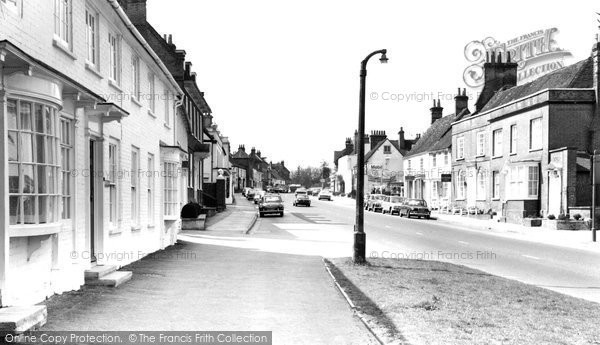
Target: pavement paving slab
[{"x": 195, "y": 286}]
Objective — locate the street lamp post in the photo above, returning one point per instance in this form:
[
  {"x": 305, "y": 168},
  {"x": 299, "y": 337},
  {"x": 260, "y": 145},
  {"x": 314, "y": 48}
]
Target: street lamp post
[{"x": 359, "y": 231}]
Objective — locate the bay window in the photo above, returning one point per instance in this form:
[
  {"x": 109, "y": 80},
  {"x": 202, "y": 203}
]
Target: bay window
[
  {"x": 34, "y": 167},
  {"x": 523, "y": 182},
  {"x": 66, "y": 150},
  {"x": 171, "y": 204}
]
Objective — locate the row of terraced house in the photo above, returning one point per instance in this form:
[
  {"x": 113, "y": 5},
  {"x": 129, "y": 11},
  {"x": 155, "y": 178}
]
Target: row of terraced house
[
  {"x": 523, "y": 151},
  {"x": 105, "y": 136}
]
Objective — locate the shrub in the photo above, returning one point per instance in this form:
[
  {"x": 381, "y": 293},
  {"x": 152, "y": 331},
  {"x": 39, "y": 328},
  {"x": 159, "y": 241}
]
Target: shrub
[
  {"x": 563, "y": 216},
  {"x": 577, "y": 216},
  {"x": 551, "y": 216},
  {"x": 494, "y": 213}
]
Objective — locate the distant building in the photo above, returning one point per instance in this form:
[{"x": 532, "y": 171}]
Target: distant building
[
  {"x": 383, "y": 163},
  {"x": 428, "y": 165}
]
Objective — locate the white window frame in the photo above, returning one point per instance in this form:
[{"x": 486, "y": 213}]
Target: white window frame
[
  {"x": 496, "y": 185},
  {"x": 460, "y": 147},
  {"x": 135, "y": 187},
  {"x": 481, "y": 184},
  {"x": 536, "y": 139},
  {"x": 481, "y": 143},
  {"x": 445, "y": 158},
  {"x": 522, "y": 179},
  {"x": 170, "y": 189},
  {"x": 387, "y": 149},
  {"x": 167, "y": 105},
  {"x": 150, "y": 189},
  {"x": 112, "y": 183},
  {"x": 421, "y": 166},
  {"x": 135, "y": 78},
  {"x": 461, "y": 188},
  {"x": 152, "y": 93},
  {"x": 513, "y": 139},
  {"x": 91, "y": 38},
  {"x": 497, "y": 149},
  {"x": 114, "y": 43},
  {"x": 35, "y": 154},
  {"x": 67, "y": 144},
  {"x": 63, "y": 23}
]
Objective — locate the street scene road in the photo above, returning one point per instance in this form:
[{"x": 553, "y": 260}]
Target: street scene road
[{"x": 325, "y": 229}]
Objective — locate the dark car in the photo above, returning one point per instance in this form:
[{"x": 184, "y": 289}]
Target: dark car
[
  {"x": 415, "y": 207},
  {"x": 375, "y": 203},
  {"x": 270, "y": 204},
  {"x": 302, "y": 199}
]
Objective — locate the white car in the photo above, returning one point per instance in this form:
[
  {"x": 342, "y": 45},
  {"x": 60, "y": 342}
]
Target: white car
[
  {"x": 391, "y": 204},
  {"x": 325, "y": 195}
]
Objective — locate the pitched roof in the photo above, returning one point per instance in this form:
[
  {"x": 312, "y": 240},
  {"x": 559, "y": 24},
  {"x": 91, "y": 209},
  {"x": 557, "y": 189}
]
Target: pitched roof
[
  {"x": 240, "y": 154},
  {"x": 379, "y": 144},
  {"x": 437, "y": 137},
  {"x": 578, "y": 75}
]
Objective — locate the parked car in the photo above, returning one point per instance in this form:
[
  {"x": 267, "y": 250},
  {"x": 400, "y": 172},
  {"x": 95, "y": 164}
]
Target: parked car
[
  {"x": 374, "y": 203},
  {"x": 392, "y": 204},
  {"x": 325, "y": 195},
  {"x": 415, "y": 207},
  {"x": 270, "y": 204},
  {"x": 250, "y": 194},
  {"x": 302, "y": 199},
  {"x": 245, "y": 190},
  {"x": 314, "y": 191},
  {"x": 258, "y": 196}
]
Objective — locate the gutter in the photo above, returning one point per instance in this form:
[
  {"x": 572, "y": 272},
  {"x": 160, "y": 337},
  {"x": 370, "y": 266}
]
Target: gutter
[{"x": 140, "y": 38}]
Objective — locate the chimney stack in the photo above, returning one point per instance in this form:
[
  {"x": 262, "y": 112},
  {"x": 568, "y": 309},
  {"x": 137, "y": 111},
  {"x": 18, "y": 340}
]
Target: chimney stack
[
  {"x": 377, "y": 137},
  {"x": 497, "y": 75},
  {"x": 436, "y": 111},
  {"x": 135, "y": 10},
  {"x": 401, "y": 142},
  {"x": 461, "y": 101},
  {"x": 349, "y": 145}
]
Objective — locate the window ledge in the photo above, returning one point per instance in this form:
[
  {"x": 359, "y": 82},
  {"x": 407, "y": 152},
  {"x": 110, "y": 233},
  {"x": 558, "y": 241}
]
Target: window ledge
[
  {"x": 34, "y": 230},
  {"x": 460, "y": 159},
  {"x": 151, "y": 226},
  {"x": 496, "y": 157},
  {"x": 535, "y": 150},
  {"x": 58, "y": 43},
  {"x": 166, "y": 125},
  {"x": 151, "y": 113},
  {"x": 135, "y": 101},
  {"x": 136, "y": 228},
  {"x": 114, "y": 85},
  {"x": 93, "y": 69},
  {"x": 170, "y": 218},
  {"x": 495, "y": 199}
]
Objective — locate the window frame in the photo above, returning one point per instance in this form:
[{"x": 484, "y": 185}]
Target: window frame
[
  {"x": 30, "y": 195},
  {"x": 460, "y": 147},
  {"x": 63, "y": 23},
  {"x": 387, "y": 149},
  {"x": 67, "y": 148},
  {"x": 152, "y": 92},
  {"x": 497, "y": 142},
  {"x": 150, "y": 189},
  {"x": 111, "y": 182},
  {"x": 170, "y": 189},
  {"x": 135, "y": 78},
  {"x": 135, "y": 187},
  {"x": 92, "y": 37},
  {"x": 115, "y": 62},
  {"x": 480, "y": 143},
  {"x": 514, "y": 137},
  {"x": 534, "y": 138},
  {"x": 495, "y": 185}
]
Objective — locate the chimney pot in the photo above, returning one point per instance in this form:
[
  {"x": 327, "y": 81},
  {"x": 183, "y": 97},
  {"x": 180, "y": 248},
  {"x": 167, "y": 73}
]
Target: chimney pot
[{"x": 170, "y": 39}]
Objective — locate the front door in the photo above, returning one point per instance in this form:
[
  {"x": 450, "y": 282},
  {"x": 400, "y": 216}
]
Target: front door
[{"x": 554, "y": 195}]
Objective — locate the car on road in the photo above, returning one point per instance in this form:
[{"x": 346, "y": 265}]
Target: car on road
[
  {"x": 392, "y": 204},
  {"x": 374, "y": 203},
  {"x": 325, "y": 195},
  {"x": 314, "y": 191},
  {"x": 250, "y": 194},
  {"x": 245, "y": 190},
  {"x": 415, "y": 208},
  {"x": 270, "y": 204},
  {"x": 302, "y": 199},
  {"x": 258, "y": 196}
]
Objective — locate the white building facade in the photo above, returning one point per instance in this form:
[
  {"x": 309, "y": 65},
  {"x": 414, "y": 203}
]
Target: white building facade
[{"x": 91, "y": 148}]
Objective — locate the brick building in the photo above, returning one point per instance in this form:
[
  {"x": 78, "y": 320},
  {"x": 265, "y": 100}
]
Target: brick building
[
  {"x": 523, "y": 152},
  {"x": 92, "y": 146}
]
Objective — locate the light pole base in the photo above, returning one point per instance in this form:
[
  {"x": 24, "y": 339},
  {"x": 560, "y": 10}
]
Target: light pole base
[{"x": 360, "y": 241}]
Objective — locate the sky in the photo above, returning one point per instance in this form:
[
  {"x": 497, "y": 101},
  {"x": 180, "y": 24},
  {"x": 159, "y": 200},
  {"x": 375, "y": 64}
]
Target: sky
[{"x": 283, "y": 76}]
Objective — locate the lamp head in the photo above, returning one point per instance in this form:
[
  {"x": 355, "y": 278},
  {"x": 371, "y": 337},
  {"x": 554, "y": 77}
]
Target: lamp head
[{"x": 383, "y": 58}]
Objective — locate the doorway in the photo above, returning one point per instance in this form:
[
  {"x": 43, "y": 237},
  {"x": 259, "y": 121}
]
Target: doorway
[{"x": 92, "y": 181}]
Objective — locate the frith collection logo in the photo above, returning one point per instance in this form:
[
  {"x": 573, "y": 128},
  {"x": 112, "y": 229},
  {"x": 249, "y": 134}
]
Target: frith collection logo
[{"x": 536, "y": 54}]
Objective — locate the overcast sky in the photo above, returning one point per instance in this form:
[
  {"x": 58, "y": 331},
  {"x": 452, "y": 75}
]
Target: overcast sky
[{"x": 283, "y": 76}]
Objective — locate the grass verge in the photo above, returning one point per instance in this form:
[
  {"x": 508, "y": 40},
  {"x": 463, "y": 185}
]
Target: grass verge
[{"x": 430, "y": 302}]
